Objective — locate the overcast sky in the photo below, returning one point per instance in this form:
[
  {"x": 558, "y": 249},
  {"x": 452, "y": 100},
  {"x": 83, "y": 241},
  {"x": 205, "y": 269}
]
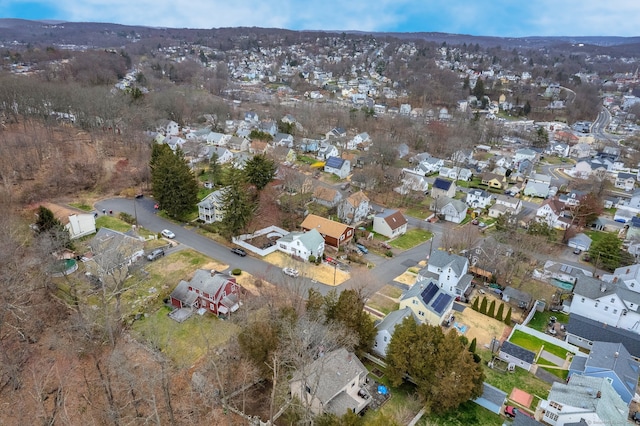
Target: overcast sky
[{"x": 505, "y": 18}]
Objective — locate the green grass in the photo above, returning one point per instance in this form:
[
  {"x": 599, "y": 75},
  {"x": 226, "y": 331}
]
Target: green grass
[
  {"x": 382, "y": 303},
  {"x": 82, "y": 206},
  {"x": 185, "y": 343},
  {"x": 412, "y": 238},
  {"x": 391, "y": 291},
  {"x": 421, "y": 210},
  {"x": 541, "y": 319},
  {"x": 520, "y": 379},
  {"x": 112, "y": 222},
  {"x": 534, "y": 344},
  {"x": 468, "y": 413},
  {"x": 595, "y": 235},
  {"x": 558, "y": 372}
]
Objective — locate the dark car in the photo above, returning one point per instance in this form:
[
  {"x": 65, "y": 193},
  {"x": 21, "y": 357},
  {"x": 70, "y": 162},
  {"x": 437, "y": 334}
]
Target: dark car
[
  {"x": 239, "y": 251},
  {"x": 156, "y": 254},
  {"x": 636, "y": 417}
]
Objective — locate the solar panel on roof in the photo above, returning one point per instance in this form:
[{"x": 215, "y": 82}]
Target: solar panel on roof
[
  {"x": 441, "y": 302},
  {"x": 334, "y": 162},
  {"x": 428, "y": 293}
]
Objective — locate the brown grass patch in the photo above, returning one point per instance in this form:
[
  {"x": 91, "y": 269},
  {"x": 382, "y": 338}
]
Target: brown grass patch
[{"x": 322, "y": 273}]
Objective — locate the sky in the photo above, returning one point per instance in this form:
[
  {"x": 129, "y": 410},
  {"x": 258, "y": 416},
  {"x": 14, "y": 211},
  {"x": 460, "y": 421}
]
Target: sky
[{"x": 503, "y": 18}]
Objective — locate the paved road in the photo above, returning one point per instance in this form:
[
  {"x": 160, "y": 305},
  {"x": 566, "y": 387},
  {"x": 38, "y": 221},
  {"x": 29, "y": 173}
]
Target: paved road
[{"x": 385, "y": 270}]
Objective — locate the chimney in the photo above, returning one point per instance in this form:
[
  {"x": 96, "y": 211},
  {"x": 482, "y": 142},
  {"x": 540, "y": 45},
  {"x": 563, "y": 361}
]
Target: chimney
[
  {"x": 615, "y": 280},
  {"x": 616, "y": 354},
  {"x": 213, "y": 272},
  {"x": 603, "y": 287},
  {"x": 598, "y": 395}
]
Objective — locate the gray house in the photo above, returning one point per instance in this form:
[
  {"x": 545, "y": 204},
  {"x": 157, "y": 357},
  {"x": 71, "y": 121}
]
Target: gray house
[
  {"x": 386, "y": 328},
  {"x": 517, "y": 355}
]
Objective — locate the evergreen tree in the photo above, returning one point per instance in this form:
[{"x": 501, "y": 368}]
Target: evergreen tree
[
  {"x": 483, "y": 306},
  {"x": 507, "y": 318},
  {"x": 472, "y": 346},
  {"x": 475, "y": 306},
  {"x": 260, "y": 170},
  {"x": 174, "y": 185},
  {"x": 215, "y": 169},
  {"x": 500, "y": 312},
  {"x": 47, "y": 221},
  {"x": 492, "y": 308},
  {"x": 605, "y": 251},
  {"x": 349, "y": 312},
  {"x": 527, "y": 108},
  {"x": 441, "y": 365},
  {"x": 478, "y": 90},
  {"x": 236, "y": 203}
]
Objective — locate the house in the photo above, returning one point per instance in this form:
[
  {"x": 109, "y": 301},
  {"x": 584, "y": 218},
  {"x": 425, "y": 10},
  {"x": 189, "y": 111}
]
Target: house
[
  {"x": 443, "y": 188},
  {"x": 449, "y": 270},
  {"x": 332, "y": 383},
  {"x": 326, "y": 196},
  {"x": 172, "y": 129},
  {"x": 214, "y": 291},
  {"x": 358, "y": 140},
  {"x": 626, "y": 181},
  {"x": 558, "y": 148},
  {"x": 494, "y": 180},
  {"x": 516, "y": 297},
  {"x": 251, "y": 117},
  {"x": 580, "y": 150},
  {"x": 552, "y": 212},
  {"x": 524, "y": 154},
  {"x": 610, "y": 360},
  {"x": 302, "y": 245},
  {"x": 258, "y": 146},
  {"x": 583, "y": 331},
  {"x": 210, "y": 209},
  {"x": 386, "y": 328},
  {"x": 338, "y": 166},
  {"x": 325, "y": 151},
  {"x": 390, "y": 223},
  {"x": 223, "y": 154},
  {"x": 478, "y": 198},
  {"x": 354, "y": 208},
  {"x": 334, "y": 233},
  {"x": 81, "y": 225},
  {"x": 580, "y": 242},
  {"x": 283, "y": 139},
  {"x": 514, "y": 204},
  {"x": 113, "y": 252},
  {"x": 517, "y": 355},
  {"x": 412, "y": 181},
  {"x": 584, "y": 400},
  {"x": 429, "y": 165},
  {"x": 269, "y": 127},
  {"x": 623, "y": 215},
  {"x": 572, "y": 198},
  {"x": 237, "y": 143},
  {"x": 536, "y": 189},
  {"x": 492, "y": 399},
  {"x": 430, "y": 304},
  {"x": 453, "y": 210}
]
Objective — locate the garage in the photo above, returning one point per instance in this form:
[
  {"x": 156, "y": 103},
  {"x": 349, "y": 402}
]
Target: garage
[{"x": 580, "y": 242}]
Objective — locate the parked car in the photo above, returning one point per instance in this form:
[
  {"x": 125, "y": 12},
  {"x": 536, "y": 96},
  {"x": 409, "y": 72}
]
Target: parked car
[
  {"x": 510, "y": 411},
  {"x": 475, "y": 222},
  {"x": 362, "y": 248},
  {"x": 156, "y": 254},
  {"x": 577, "y": 251},
  {"x": 636, "y": 417},
  {"x": 208, "y": 185},
  {"x": 167, "y": 234},
  {"x": 290, "y": 272},
  {"x": 239, "y": 251}
]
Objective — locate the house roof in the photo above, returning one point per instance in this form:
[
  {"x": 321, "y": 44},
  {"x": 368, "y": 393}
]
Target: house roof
[
  {"x": 330, "y": 373},
  {"x": 609, "y": 356},
  {"x": 311, "y": 239},
  {"x": 394, "y": 318},
  {"x": 582, "y": 239},
  {"x": 582, "y": 393},
  {"x": 458, "y": 205},
  {"x": 596, "y": 331},
  {"x": 479, "y": 193},
  {"x": 442, "y": 184},
  {"x": 518, "y": 352},
  {"x": 442, "y": 259},
  {"x": 493, "y": 395},
  {"x": 183, "y": 294},
  {"x": 357, "y": 198},
  {"x": 212, "y": 200},
  {"x": 516, "y": 294},
  {"x": 394, "y": 218},
  {"x": 326, "y": 193},
  {"x": 324, "y": 226},
  {"x": 556, "y": 206},
  {"x": 334, "y": 162}
]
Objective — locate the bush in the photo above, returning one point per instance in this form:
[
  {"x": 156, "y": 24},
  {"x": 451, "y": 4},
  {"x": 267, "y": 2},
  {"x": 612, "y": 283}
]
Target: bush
[
  {"x": 492, "y": 309},
  {"x": 500, "y": 312},
  {"x": 483, "y": 306},
  {"x": 236, "y": 271},
  {"x": 126, "y": 217},
  {"x": 312, "y": 259},
  {"x": 388, "y": 253},
  {"x": 507, "y": 318}
]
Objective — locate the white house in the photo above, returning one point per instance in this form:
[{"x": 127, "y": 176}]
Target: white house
[
  {"x": 210, "y": 209},
  {"x": 625, "y": 181},
  {"x": 510, "y": 202},
  {"x": 223, "y": 154},
  {"x": 517, "y": 355},
  {"x": 386, "y": 328},
  {"x": 338, "y": 166},
  {"x": 302, "y": 244},
  {"x": 390, "y": 223},
  {"x": 453, "y": 210},
  {"x": 478, "y": 198},
  {"x": 327, "y": 151},
  {"x": 552, "y": 212},
  {"x": 449, "y": 270},
  {"x": 354, "y": 208}
]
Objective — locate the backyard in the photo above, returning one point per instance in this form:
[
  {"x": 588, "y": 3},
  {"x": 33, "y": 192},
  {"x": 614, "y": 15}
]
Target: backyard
[
  {"x": 412, "y": 238},
  {"x": 534, "y": 344}
]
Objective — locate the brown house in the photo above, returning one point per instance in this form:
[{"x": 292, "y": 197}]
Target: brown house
[{"x": 334, "y": 233}]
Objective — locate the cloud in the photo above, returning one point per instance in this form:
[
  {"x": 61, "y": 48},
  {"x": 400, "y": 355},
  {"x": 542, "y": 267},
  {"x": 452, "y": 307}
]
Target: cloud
[{"x": 506, "y": 18}]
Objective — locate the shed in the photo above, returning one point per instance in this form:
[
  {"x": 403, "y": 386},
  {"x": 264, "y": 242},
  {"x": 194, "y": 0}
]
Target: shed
[
  {"x": 492, "y": 398},
  {"x": 581, "y": 242}
]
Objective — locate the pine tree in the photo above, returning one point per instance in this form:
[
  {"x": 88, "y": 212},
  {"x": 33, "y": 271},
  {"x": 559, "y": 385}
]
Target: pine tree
[
  {"x": 500, "y": 312},
  {"x": 507, "y": 318},
  {"x": 492, "y": 308},
  {"x": 483, "y": 306},
  {"x": 174, "y": 185},
  {"x": 472, "y": 346},
  {"x": 236, "y": 203},
  {"x": 260, "y": 170},
  {"x": 475, "y": 304}
]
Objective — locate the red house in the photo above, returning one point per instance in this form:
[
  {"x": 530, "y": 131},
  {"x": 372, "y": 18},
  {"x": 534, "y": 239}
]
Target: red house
[{"x": 212, "y": 290}]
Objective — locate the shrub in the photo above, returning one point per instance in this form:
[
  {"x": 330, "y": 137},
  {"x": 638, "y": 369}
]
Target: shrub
[
  {"x": 507, "y": 318},
  {"x": 492, "y": 309},
  {"x": 475, "y": 306},
  {"x": 236, "y": 271},
  {"x": 472, "y": 346},
  {"x": 500, "y": 312},
  {"x": 312, "y": 259},
  {"x": 388, "y": 253},
  {"x": 483, "y": 306},
  {"x": 126, "y": 217}
]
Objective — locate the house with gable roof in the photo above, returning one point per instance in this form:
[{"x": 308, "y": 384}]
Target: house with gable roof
[
  {"x": 453, "y": 210},
  {"x": 386, "y": 328},
  {"x": 338, "y": 166},
  {"x": 478, "y": 198},
  {"x": 584, "y": 400},
  {"x": 428, "y": 302},
  {"x": 80, "y": 225},
  {"x": 443, "y": 188},
  {"x": 210, "y": 209},
  {"x": 326, "y": 196},
  {"x": 612, "y": 361},
  {"x": 354, "y": 208},
  {"x": 332, "y": 383},
  {"x": 214, "y": 291},
  {"x": 515, "y": 354},
  {"x": 113, "y": 252},
  {"x": 429, "y": 165},
  {"x": 334, "y": 233},
  {"x": 552, "y": 212},
  {"x": 326, "y": 151},
  {"x": 449, "y": 270},
  {"x": 302, "y": 245},
  {"x": 626, "y": 181},
  {"x": 390, "y": 223}
]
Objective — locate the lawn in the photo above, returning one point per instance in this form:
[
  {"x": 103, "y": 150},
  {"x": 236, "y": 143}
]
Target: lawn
[
  {"x": 541, "y": 319},
  {"x": 595, "y": 235},
  {"x": 558, "y": 372},
  {"x": 82, "y": 206},
  {"x": 421, "y": 210},
  {"x": 412, "y": 238},
  {"x": 520, "y": 378},
  {"x": 111, "y": 222},
  {"x": 468, "y": 413},
  {"x": 382, "y": 303},
  {"x": 185, "y": 343},
  {"x": 534, "y": 344},
  {"x": 391, "y": 291}
]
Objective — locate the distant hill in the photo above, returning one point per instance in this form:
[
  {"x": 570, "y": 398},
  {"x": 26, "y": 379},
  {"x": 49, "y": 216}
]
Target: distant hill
[{"x": 97, "y": 34}]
